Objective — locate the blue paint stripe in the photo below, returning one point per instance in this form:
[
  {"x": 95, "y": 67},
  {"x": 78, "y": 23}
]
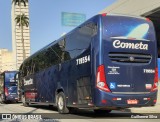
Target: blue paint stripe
[
  {"x": 100, "y": 41},
  {"x": 158, "y": 67}
]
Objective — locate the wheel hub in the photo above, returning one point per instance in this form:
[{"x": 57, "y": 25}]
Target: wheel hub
[{"x": 60, "y": 103}]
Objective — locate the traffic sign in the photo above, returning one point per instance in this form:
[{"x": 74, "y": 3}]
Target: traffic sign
[{"x": 72, "y": 19}]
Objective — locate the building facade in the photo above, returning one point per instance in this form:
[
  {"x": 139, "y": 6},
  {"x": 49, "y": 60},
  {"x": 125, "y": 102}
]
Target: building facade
[
  {"x": 133, "y": 7},
  {"x": 17, "y": 45},
  {"x": 6, "y": 60}
]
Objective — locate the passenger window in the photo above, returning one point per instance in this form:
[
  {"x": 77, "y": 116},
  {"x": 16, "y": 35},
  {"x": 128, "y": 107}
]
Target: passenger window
[
  {"x": 65, "y": 54},
  {"x": 80, "y": 39},
  {"x": 68, "y": 48}
]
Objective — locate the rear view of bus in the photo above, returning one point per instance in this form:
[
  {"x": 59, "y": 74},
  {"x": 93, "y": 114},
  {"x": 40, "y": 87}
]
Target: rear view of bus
[
  {"x": 127, "y": 74},
  {"x": 8, "y": 87}
]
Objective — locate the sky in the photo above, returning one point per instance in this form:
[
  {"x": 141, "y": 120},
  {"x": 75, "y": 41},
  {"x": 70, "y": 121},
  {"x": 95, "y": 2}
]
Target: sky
[{"x": 45, "y": 19}]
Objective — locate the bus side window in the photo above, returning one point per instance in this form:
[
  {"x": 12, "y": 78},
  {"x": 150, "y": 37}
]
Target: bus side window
[
  {"x": 41, "y": 61},
  {"x": 79, "y": 41},
  {"x": 62, "y": 45},
  {"x": 28, "y": 67},
  {"x": 21, "y": 70},
  {"x": 24, "y": 71},
  {"x": 32, "y": 70},
  {"x": 52, "y": 56},
  {"x": 36, "y": 62},
  {"x": 65, "y": 54}
]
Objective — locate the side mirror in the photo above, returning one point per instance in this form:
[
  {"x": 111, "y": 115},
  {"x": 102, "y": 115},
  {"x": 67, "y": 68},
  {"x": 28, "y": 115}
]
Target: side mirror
[{"x": 16, "y": 77}]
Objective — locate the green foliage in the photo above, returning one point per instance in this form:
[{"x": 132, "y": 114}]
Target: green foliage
[
  {"x": 19, "y": 2},
  {"x": 22, "y": 20}
]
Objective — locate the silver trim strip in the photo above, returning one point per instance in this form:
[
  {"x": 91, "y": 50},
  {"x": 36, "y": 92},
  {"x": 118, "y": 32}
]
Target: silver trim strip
[
  {"x": 130, "y": 92},
  {"x": 123, "y": 37},
  {"x": 125, "y": 15}
]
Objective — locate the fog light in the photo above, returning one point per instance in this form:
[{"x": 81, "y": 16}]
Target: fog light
[
  {"x": 155, "y": 101},
  {"x": 104, "y": 101},
  {"x": 116, "y": 99},
  {"x": 146, "y": 98}
]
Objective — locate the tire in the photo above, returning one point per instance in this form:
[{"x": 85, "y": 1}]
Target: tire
[
  {"x": 102, "y": 111},
  {"x": 61, "y": 103}
]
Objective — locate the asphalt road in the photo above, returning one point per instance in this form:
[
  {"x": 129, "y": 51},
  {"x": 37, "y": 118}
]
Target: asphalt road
[{"x": 50, "y": 114}]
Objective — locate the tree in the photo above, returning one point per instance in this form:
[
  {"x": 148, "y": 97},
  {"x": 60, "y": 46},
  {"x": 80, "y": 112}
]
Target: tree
[
  {"x": 22, "y": 21},
  {"x": 19, "y": 2}
]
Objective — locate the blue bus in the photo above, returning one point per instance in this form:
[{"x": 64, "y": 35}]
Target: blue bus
[
  {"x": 8, "y": 87},
  {"x": 107, "y": 63}
]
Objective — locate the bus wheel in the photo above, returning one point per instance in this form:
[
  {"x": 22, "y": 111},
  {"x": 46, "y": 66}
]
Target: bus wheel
[
  {"x": 61, "y": 103},
  {"x": 102, "y": 111}
]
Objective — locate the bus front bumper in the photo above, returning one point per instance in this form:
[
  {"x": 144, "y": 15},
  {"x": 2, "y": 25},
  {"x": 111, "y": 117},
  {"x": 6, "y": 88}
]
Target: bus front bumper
[{"x": 12, "y": 98}]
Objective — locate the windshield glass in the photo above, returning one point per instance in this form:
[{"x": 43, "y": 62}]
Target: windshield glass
[
  {"x": 9, "y": 79},
  {"x": 128, "y": 28},
  {"x": 12, "y": 89}
]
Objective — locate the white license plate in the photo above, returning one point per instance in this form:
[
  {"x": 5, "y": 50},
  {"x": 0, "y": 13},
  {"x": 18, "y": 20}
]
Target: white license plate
[{"x": 132, "y": 101}]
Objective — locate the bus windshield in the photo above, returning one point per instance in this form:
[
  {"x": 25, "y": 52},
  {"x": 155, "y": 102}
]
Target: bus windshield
[
  {"x": 12, "y": 89},
  {"x": 128, "y": 28}
]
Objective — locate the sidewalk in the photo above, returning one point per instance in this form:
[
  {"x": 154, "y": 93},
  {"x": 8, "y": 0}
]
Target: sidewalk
[{"x": 152, "y": 109}]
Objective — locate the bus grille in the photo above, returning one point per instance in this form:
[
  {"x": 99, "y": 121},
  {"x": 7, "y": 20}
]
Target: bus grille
[{"x": 130, "y": 57}]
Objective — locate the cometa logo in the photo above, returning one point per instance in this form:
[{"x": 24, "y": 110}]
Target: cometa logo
[
  {"x": 28, "y": 82},
  {"x": 140, "y": 45}
]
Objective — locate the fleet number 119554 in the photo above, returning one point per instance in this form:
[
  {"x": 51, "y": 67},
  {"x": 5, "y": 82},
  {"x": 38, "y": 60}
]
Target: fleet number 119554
[{"x": 83, "y": 60}]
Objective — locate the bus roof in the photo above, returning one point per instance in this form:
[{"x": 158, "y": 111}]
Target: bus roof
[{"x": 126, "y": 15}]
